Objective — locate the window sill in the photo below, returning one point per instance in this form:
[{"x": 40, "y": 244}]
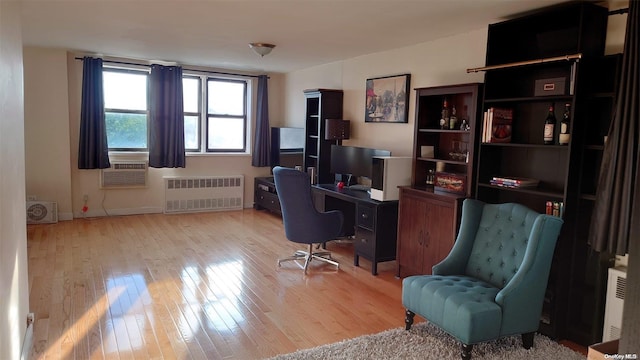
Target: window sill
[{"x": 197, "y": 154}]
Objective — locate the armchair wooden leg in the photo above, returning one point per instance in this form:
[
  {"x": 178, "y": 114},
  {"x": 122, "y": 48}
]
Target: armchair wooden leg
[
  {"x": 527, "y": 340},
  {"x": 466, "y": 351},
  {"x": 408, "y": 320}
]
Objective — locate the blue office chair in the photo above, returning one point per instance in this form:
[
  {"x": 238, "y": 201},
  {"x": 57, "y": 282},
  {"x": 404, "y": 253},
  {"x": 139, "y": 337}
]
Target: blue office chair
[
  {"x": 302, "y": 222},
  {"x": 492, "y": 283}
]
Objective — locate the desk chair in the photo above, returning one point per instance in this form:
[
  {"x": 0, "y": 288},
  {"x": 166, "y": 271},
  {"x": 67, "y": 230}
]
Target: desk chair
[
  {"x": 302, "y": 222},
  {"x": 493, "y": 281}
]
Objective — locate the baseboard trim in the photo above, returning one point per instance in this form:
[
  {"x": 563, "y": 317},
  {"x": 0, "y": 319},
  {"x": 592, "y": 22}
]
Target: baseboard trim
[
  {"x": 27, "y": 343},
  {"x": 119, "y": 212}
]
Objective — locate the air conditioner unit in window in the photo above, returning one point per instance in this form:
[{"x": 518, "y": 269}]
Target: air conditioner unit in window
[
  {"x": 42, "y": 212},
  {"x": 124, "y": 174},
  {"x": 616, "y": 289}
]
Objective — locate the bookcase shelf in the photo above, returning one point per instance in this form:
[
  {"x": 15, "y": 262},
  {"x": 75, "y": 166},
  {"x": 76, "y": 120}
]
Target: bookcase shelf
[
  {"x": 446, "y": 161},
  {"x": 522, "y": 145},
  {"x": 441, "y": 131},
  {"x": 528, "y": 99},
  {"x": 536, "y": 191}
]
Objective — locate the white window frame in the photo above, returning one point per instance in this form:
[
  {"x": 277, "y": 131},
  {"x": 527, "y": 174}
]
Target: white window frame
[
  {"x": 133, "y": 70},
  {"x": 203, "y": 112}
]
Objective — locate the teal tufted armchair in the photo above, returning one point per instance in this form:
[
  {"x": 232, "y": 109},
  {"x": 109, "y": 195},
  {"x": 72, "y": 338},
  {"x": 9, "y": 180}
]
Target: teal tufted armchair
[{"x": 493, "y": 281}]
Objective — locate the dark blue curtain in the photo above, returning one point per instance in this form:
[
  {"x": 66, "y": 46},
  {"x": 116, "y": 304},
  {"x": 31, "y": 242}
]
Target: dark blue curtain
[
  {"x": 93, "y": 150},
  {"x": 166, "y": 117},
  {"x": 261, "y": 141},
  {"x": 616, "y": 198}
]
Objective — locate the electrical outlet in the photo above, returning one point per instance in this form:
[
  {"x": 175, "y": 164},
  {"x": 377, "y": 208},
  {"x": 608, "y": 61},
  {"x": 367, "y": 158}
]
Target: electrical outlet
[
  {"x": 32, "y": 198},
  {"x": 85, "y": 197}
]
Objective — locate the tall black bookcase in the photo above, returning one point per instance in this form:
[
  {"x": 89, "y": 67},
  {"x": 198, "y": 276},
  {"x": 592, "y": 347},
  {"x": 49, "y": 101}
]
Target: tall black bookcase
[
  {"x": 560, "y": 45},
  {"x": 321, "y": 104}
]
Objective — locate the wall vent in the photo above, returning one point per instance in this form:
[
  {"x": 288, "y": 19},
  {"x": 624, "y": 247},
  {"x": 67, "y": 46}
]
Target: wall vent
[
  {"x": 124, "y": 175},
  {"x": 42, "y": 212},
  {"x": 616, "y": 289},
  {"x": 203, "y": 193}
]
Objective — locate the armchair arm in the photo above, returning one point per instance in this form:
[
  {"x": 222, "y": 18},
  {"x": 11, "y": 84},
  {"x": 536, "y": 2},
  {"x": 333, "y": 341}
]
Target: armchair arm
[
  {"x": 522, "y": 298},
  {"x": 456, "y": 262}
]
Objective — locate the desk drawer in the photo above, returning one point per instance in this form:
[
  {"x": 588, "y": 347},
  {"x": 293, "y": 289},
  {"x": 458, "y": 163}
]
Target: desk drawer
[
  {"x": 267, "y": 200},
  {"x": 365, "y": 242},
  {"x": 365, "y": 217}
]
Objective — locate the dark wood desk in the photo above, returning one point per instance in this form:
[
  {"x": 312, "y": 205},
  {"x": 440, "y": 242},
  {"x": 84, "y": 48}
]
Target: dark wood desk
[{"x": 374, "y": 224}]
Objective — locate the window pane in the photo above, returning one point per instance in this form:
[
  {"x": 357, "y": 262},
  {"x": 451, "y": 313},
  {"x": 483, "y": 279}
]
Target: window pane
[
  {"x": 126, "y": 131},
  {"x": 225, "y": 133},
  {"x": 191, "y": 94},
  {"x": 191, "y": 132},
  {"x": 225, "y": 97},
  {"x": 123, "y": 90}
]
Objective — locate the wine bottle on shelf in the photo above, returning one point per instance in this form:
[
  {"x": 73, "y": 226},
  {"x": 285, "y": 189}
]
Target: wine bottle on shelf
[
  {"x": 550, "y": 126},
  {"x": 453, "y": 120},
  {"x": 565, "y": 136},
  {"x": 444, "y": 120}
]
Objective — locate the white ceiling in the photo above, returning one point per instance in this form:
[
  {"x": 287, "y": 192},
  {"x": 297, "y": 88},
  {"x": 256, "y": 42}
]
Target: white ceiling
[{"x": 216, "y": 33}]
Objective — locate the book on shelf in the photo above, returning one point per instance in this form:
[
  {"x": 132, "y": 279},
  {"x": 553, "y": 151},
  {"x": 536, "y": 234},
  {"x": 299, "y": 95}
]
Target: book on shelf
[
  {"x": 515, "y": 182},
  {"x": 498, "y": 124},
  {"x": 486, "y": 136}
]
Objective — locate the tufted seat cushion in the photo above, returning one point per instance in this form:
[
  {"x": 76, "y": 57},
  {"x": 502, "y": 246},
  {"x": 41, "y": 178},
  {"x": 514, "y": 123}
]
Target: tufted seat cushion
[{"x": 460, "y": 305}]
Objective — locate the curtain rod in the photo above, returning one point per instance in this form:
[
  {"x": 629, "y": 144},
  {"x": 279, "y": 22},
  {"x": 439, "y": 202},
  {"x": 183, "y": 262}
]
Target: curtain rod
[
  {"x": 202, "y": 71},
  {"x": 527, "y": 62},
  {"x": 619, "y": 11}
]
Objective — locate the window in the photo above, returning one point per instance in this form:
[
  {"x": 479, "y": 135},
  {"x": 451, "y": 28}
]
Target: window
[
  {"x": 191, "y": 90},
  {"x": 226, "y": 115},
  {"x": 215, "y": 112},
  {"x": 125, "y": 102}
]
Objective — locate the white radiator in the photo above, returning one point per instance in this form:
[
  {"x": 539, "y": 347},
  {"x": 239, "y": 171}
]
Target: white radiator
[
  {"x": 203, "y": 193},
  {"x": 124, "y": 175},
  {"x": 616, "y": 288}
]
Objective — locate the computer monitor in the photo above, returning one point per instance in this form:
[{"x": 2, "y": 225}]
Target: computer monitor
[{"x": 353, "y": 160}]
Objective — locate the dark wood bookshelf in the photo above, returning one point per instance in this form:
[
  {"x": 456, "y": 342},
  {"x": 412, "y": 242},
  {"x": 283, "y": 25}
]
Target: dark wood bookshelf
[{"x": 573, "y": 307}]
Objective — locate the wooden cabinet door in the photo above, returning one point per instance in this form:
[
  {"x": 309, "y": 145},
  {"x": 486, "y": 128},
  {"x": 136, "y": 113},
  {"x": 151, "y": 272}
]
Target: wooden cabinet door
[
  {"x": 438, "y": 239},
  {"x": 411, "y": 235}
]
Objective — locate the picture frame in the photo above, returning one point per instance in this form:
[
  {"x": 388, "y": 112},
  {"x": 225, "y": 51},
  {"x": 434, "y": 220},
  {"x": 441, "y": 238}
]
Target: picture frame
[{"x": 387, "y": 99}]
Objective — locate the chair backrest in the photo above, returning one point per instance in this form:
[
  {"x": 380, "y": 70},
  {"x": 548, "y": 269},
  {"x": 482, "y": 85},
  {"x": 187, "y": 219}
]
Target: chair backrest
[
  {"x": 298, "y": 212},
  {"x": 502, "y": 239}
]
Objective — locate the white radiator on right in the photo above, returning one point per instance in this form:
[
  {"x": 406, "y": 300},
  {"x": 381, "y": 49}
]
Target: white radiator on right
[{"x": 616, "y": 288}]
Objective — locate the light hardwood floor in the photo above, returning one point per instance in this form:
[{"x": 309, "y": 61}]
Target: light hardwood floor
[{"x": 195, "y": 286}]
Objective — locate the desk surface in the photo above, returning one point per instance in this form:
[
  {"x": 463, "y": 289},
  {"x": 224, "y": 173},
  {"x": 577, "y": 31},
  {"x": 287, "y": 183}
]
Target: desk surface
[{"x": 348, "y": 194}]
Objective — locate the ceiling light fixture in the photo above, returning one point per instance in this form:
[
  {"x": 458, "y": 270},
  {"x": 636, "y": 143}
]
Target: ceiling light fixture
[{"x": 261, "y": 49}]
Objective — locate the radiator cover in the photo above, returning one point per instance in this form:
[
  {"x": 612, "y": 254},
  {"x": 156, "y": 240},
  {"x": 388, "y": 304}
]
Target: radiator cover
[
  {"x": 203, "y": 193},
  {"x": 616, "y": 289}
]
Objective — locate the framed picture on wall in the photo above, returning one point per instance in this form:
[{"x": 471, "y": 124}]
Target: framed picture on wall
[{"x": 387, "y": 99}]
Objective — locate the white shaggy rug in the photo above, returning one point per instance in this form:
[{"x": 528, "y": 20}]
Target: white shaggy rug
[{"x": 425, "y": 341}]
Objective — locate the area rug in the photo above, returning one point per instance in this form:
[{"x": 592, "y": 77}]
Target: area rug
[{"x": 425, "y": 341}]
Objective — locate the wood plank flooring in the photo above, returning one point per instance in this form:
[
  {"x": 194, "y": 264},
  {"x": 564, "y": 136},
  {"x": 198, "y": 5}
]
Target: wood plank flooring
[{"x": 195, "y": 286}]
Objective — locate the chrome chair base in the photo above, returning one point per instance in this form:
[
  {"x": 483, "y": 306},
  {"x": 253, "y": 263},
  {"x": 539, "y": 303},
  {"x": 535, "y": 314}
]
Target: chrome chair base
[{"x": 310, "y": 255}]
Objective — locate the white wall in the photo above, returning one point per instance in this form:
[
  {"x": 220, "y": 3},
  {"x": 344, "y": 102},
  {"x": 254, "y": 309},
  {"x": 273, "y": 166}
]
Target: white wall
[
  {"x": 440, "y": 62},
  {"x": 14, "y": 286},
  {"x": 47, "y": 149}
]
